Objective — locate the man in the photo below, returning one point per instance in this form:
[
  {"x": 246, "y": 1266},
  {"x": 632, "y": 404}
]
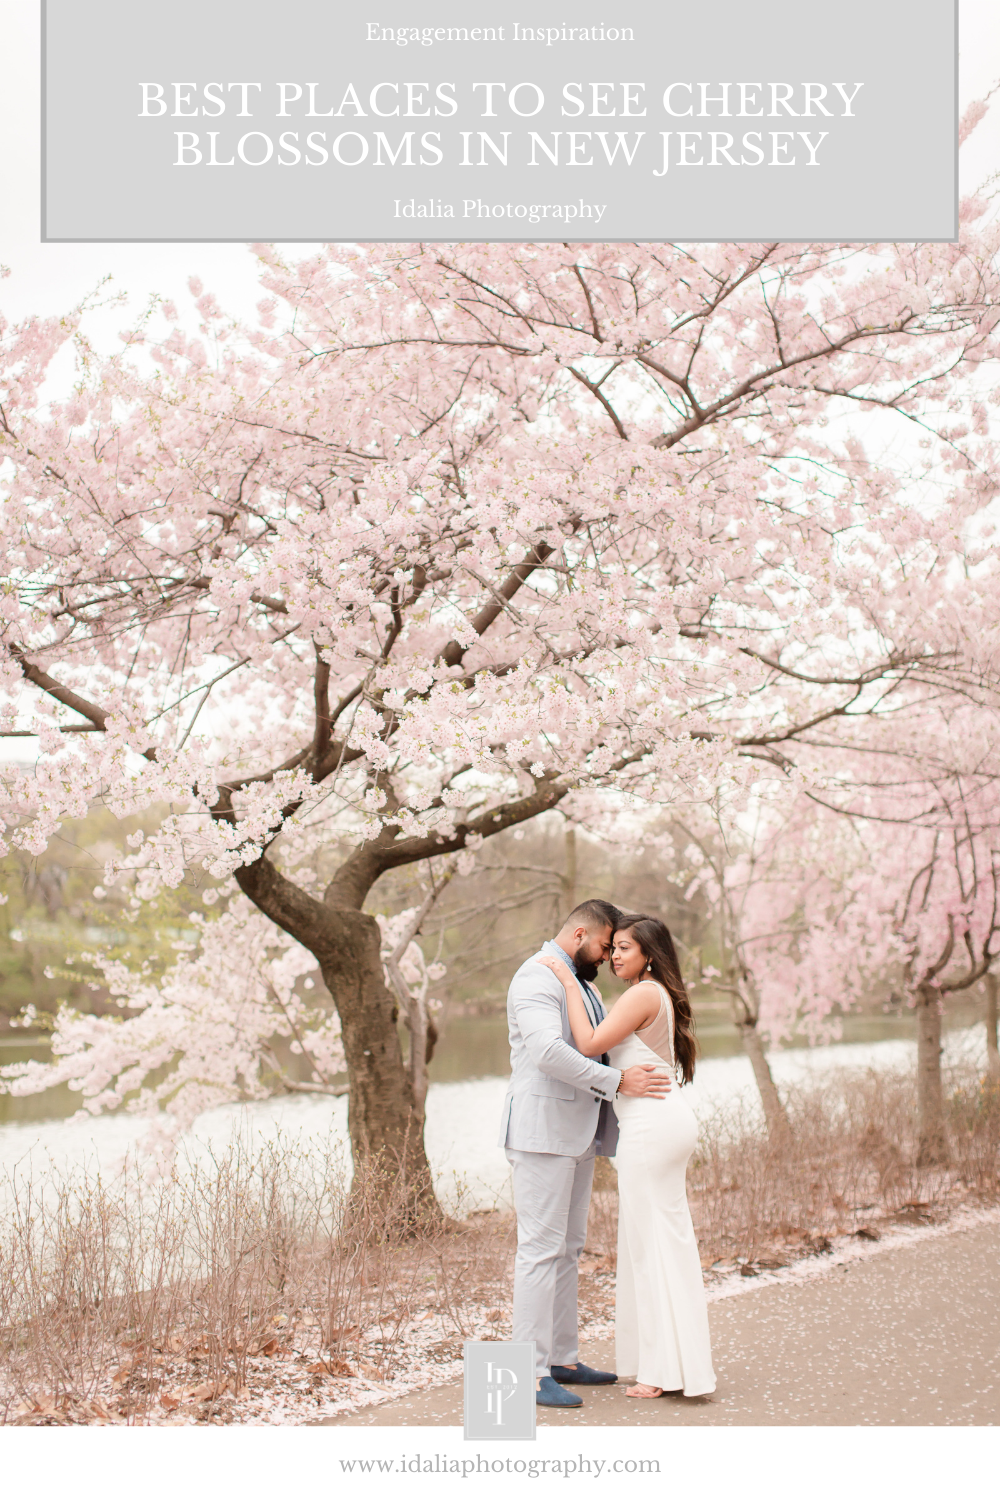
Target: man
[{"x": 557, "y": 1117}]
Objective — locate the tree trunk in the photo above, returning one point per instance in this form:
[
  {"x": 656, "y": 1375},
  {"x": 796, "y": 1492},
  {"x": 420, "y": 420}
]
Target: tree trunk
[
  {"x": 992, "y": 982},
  {"x": 384, "y": 1117},
  {"x": 932, "y": 1147},
  {"x": 419, "y": 1027},
  {"x": 385, "y": 1120},
  {"x": 778, "y": 1127},
  {"x": 569, "y": 870}
]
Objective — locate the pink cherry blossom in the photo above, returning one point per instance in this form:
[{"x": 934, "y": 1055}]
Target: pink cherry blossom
[{"x": 457, "y": 534}]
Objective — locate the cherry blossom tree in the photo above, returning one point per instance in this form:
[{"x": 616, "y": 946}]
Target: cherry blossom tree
[
  {"x": 957, "y": 887},
  {"x": 883, "y": 874},
  {"x": 456, "y": 535},
  {"x": 928, "y": 814},
  {"x": 209, "y": 1027},
  {"x": 209, "y": 1032},
  {"x": 778, "y": 873}
]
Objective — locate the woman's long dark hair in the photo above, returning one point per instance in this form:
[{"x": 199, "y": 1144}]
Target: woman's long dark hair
[{"x": 657, "y": 947}]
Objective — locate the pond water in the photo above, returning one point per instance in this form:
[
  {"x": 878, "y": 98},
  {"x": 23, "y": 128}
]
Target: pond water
[
  {"x": 463, "y": 1109},
  {"x": 476, "y": 1046}
]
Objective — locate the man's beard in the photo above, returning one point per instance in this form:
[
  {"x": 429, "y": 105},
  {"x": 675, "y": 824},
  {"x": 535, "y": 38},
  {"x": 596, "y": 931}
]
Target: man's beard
[{"x": 585, "y": 967}]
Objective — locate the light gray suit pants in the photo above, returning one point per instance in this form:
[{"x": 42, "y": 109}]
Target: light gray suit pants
[{"x": 552, "y": 1198}]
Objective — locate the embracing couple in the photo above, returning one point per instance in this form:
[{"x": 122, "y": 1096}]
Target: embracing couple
[{"x": 587, "y": 1084}]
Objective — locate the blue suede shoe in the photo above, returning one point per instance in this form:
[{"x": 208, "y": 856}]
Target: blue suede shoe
[
  {"x": 551, "y": 1394},
  {"x": 582, "y": 1375}
]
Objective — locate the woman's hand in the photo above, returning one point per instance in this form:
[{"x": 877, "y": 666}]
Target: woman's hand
[
  {"x": 560, "y": 969},
  {"x": 579, "y": 1021}
]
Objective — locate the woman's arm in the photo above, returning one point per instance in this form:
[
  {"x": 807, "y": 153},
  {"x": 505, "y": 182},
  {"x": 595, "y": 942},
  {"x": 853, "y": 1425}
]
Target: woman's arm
[{"x": 637, "y": 1006}]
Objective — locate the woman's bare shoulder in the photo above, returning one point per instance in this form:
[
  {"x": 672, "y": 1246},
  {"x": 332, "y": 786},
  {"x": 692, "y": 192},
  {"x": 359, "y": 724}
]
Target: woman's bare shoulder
[
  {"x": 642, "y": 997},
  {"x": 646, "y": 988}
]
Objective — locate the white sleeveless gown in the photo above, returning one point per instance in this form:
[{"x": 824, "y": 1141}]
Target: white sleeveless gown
[{"x": 661, "y": 1317}]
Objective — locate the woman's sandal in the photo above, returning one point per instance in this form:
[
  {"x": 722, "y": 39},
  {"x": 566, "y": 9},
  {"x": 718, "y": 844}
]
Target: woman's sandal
[{"x": 642, "y": 1391}]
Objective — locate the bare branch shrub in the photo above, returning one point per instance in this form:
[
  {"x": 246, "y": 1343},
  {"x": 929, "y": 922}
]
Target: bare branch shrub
[
  {"x": 113, "y": 1292},
  {"x": 849, "y": 1159},
  {"x": 133, "y": 1282},
  {"x": 847, "y": 1165}
]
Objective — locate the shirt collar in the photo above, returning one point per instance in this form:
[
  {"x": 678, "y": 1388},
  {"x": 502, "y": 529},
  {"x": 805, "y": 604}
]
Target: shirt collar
[{"x": 551, "y": 943}]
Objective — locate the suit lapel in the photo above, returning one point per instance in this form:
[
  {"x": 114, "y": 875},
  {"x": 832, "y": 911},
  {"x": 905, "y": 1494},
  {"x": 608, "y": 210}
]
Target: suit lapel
[
  {"x": 589, "y": 1004},
  {"x": 595, "y": 1008}
]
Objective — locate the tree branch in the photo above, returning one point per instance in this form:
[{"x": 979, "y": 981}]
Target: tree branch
[
  {"x": 321, "y": 698},
  {"x": 453, "y": 653},
  {"x": 38, "y": 678}
]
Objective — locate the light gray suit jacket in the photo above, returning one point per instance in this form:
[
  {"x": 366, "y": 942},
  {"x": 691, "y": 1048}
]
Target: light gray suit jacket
[{"x": 558, "y": 1100}]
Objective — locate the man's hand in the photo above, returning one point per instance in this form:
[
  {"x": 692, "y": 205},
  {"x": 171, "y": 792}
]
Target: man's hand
[{"x": 644, "y": 1081}]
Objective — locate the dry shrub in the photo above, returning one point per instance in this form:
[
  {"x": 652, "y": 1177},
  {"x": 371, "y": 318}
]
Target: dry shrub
[
  {"x": 974, "y": 1132},
  {"x": 110, "y": 1290},
  {"x": 847, "y": 1161},
  {"x": 108, "y": 1286},
  {"x": 846, "y": 1164},
  {"x": 472, "y": 1270}
]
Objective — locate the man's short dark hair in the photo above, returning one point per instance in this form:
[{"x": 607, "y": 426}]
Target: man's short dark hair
[{"x": 591, "y": 914}]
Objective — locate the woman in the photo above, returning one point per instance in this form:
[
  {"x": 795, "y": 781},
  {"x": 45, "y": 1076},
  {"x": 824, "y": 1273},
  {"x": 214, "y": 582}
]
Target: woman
[{"x": 661, "y": 1319}]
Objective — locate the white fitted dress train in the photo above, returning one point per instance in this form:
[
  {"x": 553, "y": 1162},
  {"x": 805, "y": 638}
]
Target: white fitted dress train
[{"x": 661, "y": 1317}]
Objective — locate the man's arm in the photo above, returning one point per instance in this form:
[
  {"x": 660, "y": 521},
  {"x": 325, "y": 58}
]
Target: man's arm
[{"x": 537, "y": 1005}]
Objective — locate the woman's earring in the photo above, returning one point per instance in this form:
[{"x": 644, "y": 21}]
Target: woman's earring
[{"x": 649, "y": 968}]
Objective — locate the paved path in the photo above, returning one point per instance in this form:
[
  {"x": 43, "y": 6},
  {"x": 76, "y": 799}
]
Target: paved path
[{"x": 909, "y": 1336}]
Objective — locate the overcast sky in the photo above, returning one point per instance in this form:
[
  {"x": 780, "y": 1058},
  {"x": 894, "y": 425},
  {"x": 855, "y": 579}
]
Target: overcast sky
[{"x": 50, "y": 278}]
